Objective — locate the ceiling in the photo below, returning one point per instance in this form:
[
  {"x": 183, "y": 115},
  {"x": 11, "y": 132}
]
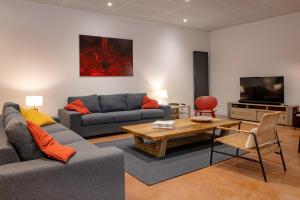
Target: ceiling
[{"x": 207, "y": 15}]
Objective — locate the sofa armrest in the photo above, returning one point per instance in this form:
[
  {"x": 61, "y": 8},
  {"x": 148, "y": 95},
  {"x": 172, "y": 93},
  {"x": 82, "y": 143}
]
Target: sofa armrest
[
  {"x": 70, "y": 119},
  {"x": 7, "y": 153},
  {"x": 90, "y": 174},
  {"x": 167, "y": 110}
]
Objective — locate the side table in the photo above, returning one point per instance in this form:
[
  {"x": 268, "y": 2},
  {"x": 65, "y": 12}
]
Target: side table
[{"x": 177, "y": 111}]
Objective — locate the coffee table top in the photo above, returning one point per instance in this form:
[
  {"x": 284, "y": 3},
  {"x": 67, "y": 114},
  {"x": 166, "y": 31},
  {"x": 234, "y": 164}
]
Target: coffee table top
[{"x": 183, "y": 127}]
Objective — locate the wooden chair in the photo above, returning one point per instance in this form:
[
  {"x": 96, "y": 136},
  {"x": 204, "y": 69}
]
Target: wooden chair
[
  {"x": 206, "y": 104},
  {"x": 296, "y": 124},
  {"x": 265, "y": 138}
]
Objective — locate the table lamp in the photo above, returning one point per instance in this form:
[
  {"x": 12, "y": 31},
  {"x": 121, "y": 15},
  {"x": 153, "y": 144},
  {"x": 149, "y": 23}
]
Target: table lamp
[
  {"x": 34, "y": 101},
  {"x": 162, "y": 95}
]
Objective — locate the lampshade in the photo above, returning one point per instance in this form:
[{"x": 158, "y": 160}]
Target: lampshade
[
  {"x": 162, "y": 94},
  {"x": 33, "y": 101}
]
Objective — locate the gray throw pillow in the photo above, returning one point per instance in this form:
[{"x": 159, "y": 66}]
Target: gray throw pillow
[
  {"x": 134, "y": 101},
  {"x": 20, "y": 138},
  {"x": 115, "y": 102},
  {"x": 91, "y": 102}
]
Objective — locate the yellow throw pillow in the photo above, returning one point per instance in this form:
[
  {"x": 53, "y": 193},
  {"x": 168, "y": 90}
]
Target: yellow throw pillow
[{"x": 37, "y": 117}]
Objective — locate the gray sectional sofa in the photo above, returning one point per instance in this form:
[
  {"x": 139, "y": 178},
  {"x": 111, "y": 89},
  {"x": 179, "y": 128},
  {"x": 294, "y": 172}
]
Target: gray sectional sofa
[
  {"x": 109, "y": 113},
  {"x": 92, "y": 173}
]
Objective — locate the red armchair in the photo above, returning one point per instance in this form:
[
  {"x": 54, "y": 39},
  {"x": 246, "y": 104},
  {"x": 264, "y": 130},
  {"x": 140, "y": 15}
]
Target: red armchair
[{"x": 206, "y": 104}]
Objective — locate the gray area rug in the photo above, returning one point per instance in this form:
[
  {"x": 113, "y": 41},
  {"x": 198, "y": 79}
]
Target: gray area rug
[{"x": 178, "y": 161}]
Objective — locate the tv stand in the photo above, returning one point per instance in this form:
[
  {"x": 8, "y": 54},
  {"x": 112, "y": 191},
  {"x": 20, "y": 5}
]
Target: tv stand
[
  {"x": 262, "y": 102},
  {"x": 254, "y": 112}
]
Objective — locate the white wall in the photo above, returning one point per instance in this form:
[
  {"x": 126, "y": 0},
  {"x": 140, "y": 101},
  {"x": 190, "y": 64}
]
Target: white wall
[
  {"x": 39, "y": 54},
  {"x": 266, "y": 48}
]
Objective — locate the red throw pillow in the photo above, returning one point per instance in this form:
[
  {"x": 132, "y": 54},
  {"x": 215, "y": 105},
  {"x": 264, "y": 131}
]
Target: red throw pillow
[
  {"x": 78, "y": 106},
  {"x": 48, "y": 144},
  {"x": 149, "y": 103}
]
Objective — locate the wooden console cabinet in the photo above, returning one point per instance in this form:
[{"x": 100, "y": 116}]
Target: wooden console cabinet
[{"x": 254, "y": 112}]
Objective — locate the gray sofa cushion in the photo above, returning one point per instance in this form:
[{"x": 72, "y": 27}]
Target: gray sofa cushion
[
  {"x": 53, "y": 128},
  {"x": 83, "y": 145},
  {"x": 19, "y": 136},
  {"x": 7, "y": 153},
  {"x": 152, "y": 113},
  {"x": 115, "y": 102},
  {"x": 11, "y": 104},
  {"x": 96, "y": 118},
  {"x": 134, "y": 101},
  {"x": 124, "y": 116},
  {"x": 66, "y": 137},
  {"x": 8, "y": 114},
  {"x": 91, "y": 102}
]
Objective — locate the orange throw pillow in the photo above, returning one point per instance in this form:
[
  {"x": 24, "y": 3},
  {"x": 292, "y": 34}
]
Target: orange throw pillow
[
  {"x": 49, "y": 145},
  {"x": 78, "y": 106},
  {"x": 149, "y": 103}
]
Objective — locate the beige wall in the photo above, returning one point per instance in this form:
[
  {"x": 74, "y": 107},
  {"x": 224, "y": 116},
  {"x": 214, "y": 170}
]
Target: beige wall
[
  {"x": 39, "y": 54},
  {"x": 266, "y": 48}
]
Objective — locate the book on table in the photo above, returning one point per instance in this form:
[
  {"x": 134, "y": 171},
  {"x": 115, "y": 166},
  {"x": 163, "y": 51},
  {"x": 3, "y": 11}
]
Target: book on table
[{"x": 169, "y": 124}]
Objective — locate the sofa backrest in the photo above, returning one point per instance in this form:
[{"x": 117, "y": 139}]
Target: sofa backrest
[
  {"x": 134, "y": 101},
  {"x": 91, "y": 102},
  {"x": 7, "y": 152},
  {"x": 111, "y": 103},
  {"x": 18, "y": 135},
  {"x": 114, "y": 102}
]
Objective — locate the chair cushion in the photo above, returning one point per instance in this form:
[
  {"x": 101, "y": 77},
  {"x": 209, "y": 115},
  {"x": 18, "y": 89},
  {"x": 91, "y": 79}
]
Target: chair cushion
[
  {"x": 20, "y": 138},
  {"x": 134, "y": 101},
  {"x": 91, "y": 102},
  {"x": 152, "y": 113},
  {"x": 115, "y": 102},
  {"x": 124, "y": 116},
  {"x": 250, "y": 143},
  {"x": 96, "y": 118}
]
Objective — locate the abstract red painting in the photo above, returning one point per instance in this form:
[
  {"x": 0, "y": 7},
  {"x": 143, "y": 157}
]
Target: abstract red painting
[{"x": 103, "y": 56}]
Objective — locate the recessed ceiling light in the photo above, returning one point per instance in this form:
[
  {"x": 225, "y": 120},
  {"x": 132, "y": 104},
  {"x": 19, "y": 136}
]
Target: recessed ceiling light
[
  {"x": 185, "y": 20},
  {"x": 187, "y": 0},
  {"x": 109, "y": 4}
]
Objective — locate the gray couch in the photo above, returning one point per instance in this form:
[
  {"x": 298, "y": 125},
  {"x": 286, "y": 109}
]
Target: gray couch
[
  {"x": 109, "y": 113},
  {"x": 92, "y": 173}
]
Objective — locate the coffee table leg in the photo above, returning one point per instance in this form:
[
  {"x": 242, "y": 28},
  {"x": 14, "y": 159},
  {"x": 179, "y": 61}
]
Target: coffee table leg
[
  {"x": 160, "y": 148},
  {"x": 157, "y": 148}
]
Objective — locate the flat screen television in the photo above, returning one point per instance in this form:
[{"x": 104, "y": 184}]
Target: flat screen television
[{"x": 263, "y": 90}]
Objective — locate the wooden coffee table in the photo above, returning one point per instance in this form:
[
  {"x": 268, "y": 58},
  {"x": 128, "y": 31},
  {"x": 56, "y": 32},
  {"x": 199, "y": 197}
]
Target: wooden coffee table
[{"x": 155, "y": 141}]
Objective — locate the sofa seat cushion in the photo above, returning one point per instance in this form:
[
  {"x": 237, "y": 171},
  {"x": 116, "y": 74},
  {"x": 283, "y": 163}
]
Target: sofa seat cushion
[
  {"x": 152, "y": 113},
  {"x": 91, "y": 102},
  {"x": 111, "y": 103},
  {"x": 124, "y": 116},
  {"x": 83, "y": 145},
  {"x": 66, "y": 137},
  {"x": 134, "y": 101},
  {"x": 53, "y": 128},
  {"x": 96, "y": 118}
]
